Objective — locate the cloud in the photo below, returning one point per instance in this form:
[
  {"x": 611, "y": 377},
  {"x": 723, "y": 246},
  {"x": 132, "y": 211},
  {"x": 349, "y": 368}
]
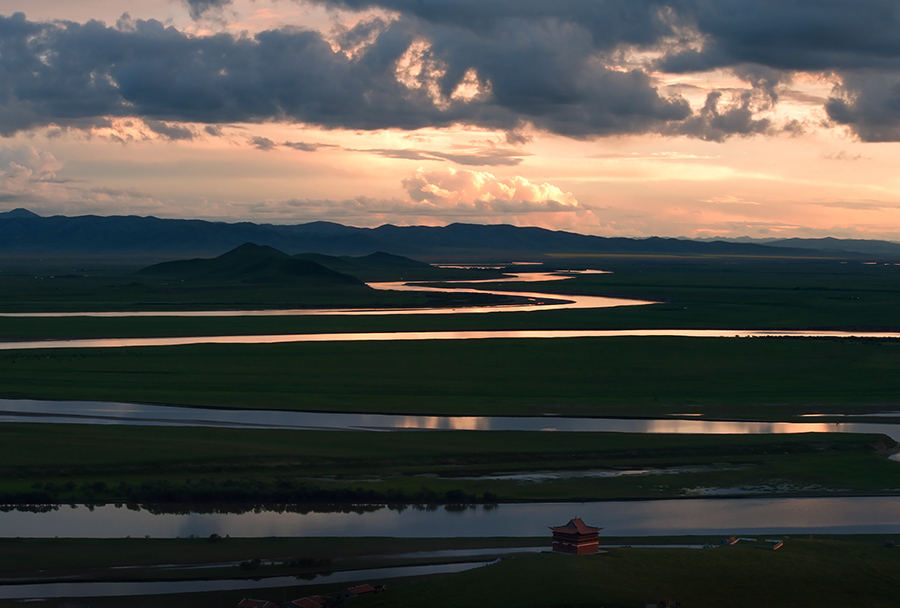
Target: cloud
[
  {"x": 728, "y": 200},
  {"x": 27, "y": 172},
  {"x": 304, "y": 146},
  {"x": 171, "y": 132},
  {"x": 199, "y": 8},
  {"x": 844, "y": 155},
  {"x": 485, "y": 157},
  {"x": 263, "y": 143},
  {"x": 712, "y": 123},
  {"x": 481, "y": 191},
  {"x": 868, "y": 103}
]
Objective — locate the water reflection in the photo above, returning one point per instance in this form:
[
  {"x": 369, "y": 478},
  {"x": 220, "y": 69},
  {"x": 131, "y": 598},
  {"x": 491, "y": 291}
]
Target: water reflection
[
  {"x": 95, "y": 412},
  {"x": 837, "y": 515}
]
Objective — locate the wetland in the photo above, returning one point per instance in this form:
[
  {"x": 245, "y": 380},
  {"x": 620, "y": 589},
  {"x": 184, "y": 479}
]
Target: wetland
[{"x": 679, "y": 388}]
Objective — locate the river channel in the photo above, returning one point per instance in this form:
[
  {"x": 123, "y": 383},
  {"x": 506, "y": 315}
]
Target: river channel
[
  {"x": 98, "y": 412},
  {"x": 833, "y": 515}
]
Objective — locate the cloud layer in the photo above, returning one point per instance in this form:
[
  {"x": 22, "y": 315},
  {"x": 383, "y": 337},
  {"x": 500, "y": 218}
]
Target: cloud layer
[{"x": 574, "y": 68}]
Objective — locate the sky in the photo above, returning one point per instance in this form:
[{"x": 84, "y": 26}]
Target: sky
[{"x": 635, "y": 118}]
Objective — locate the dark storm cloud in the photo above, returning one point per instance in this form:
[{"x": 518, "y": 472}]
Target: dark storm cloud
[
  {"x": 521, "y": 63},
  {"x": 608, "y": 22},
  {"x": 807, "y": 35},
  {"x": 538, "y": 73},
  {"x": 869, "y": 103},
  {"x": 713, "y": 123},
  {"x": 764, "y": 41}
]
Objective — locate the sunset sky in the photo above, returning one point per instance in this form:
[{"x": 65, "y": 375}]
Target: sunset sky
[{"x": 698, "y": 118}]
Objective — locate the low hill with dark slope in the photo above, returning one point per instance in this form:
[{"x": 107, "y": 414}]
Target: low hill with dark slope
[{"x": 250, "y": 264}]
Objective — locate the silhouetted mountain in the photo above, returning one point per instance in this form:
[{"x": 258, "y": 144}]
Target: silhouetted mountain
[
  {"x": 250, "y": 263},
  {"x": 18, "y": 213},
  {"x": 872, "y": 247},
  {"x": 23, "y": 233}
]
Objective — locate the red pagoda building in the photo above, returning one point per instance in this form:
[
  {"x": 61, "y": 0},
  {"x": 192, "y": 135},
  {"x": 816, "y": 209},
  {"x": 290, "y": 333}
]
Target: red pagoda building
[{"x": 576, "y": 537}]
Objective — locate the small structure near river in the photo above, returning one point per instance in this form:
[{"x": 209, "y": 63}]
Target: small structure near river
[{"x": 576, "y": 537}]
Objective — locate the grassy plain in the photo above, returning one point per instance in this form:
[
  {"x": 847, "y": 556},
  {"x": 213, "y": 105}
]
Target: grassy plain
[{"x": 831, "y": 573}]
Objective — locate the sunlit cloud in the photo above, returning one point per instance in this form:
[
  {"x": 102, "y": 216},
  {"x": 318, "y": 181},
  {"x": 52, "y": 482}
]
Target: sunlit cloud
[{"x": 458, "y": 189}]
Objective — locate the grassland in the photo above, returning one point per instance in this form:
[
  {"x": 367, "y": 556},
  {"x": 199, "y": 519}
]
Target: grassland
[{"x": 752, "y": 378}]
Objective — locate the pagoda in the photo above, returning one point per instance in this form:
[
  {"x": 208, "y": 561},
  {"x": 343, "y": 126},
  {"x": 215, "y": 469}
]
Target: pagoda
[{"x": 576, "y": 537}]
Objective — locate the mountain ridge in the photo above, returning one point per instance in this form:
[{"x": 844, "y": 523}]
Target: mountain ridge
[{"x": 24, "y": 233}]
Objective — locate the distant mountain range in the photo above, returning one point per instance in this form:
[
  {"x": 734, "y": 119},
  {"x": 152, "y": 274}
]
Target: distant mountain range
[{"x": 23, "y": 233}]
